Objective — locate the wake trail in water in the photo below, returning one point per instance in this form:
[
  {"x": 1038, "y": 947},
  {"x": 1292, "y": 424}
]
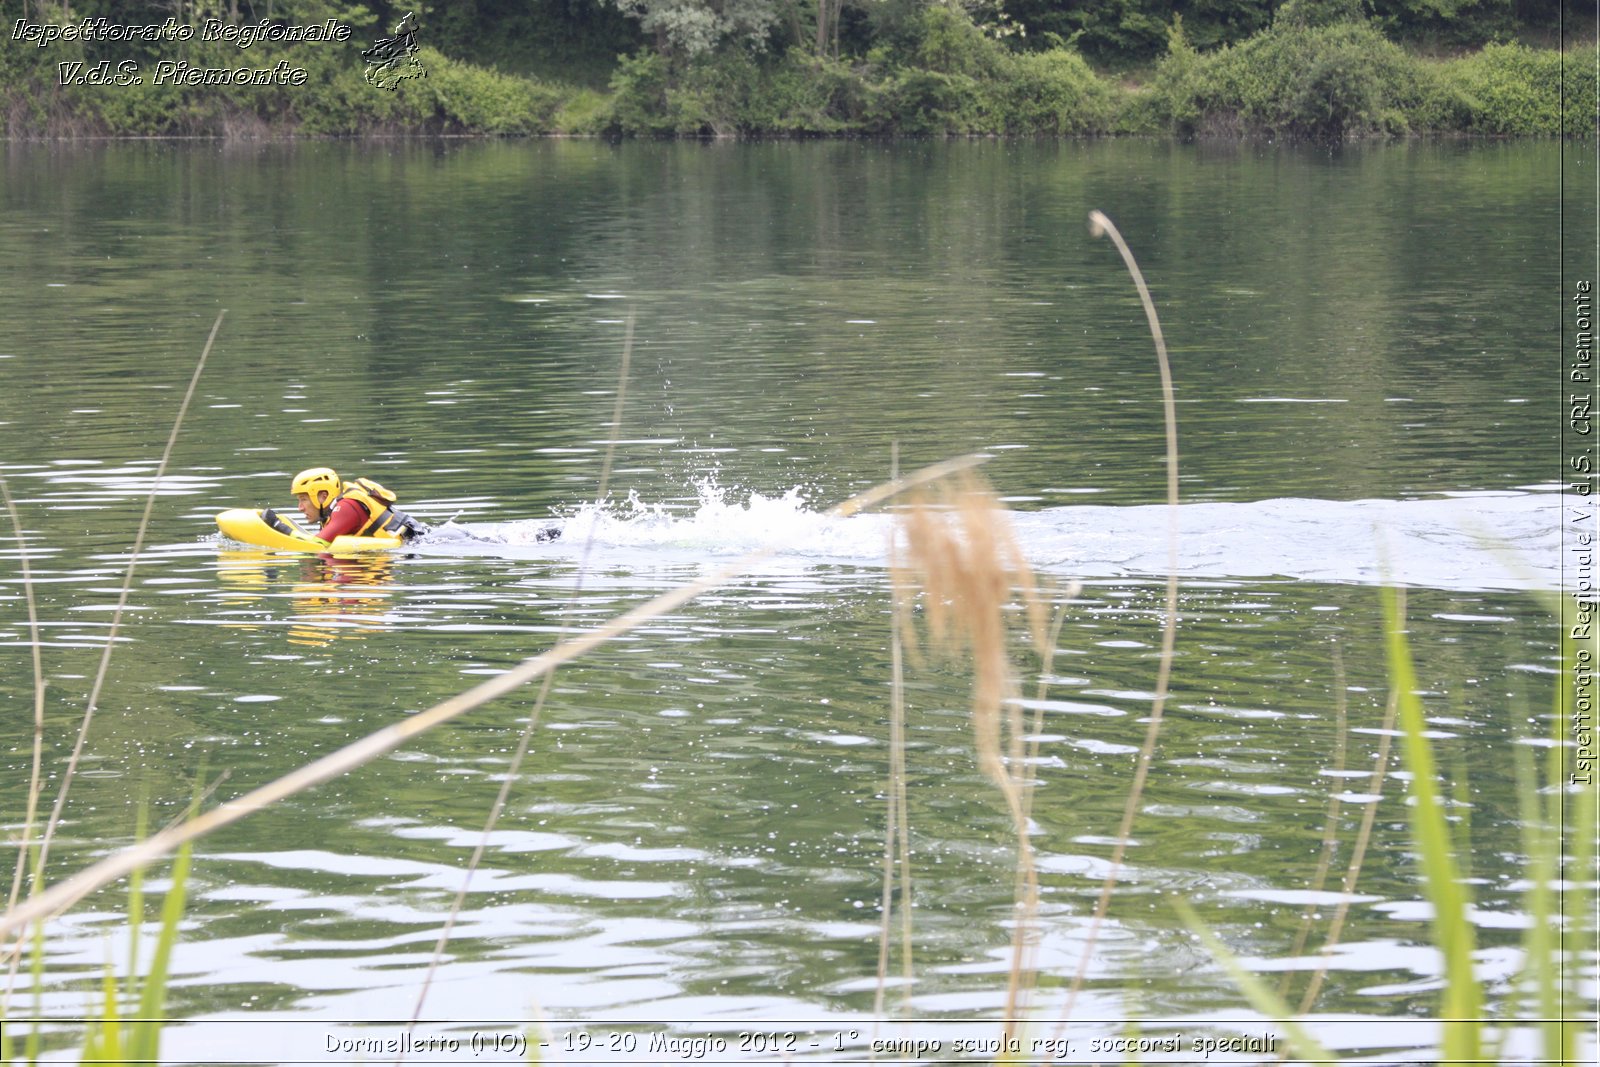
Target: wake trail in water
[{"x": 1469, "y": 541}]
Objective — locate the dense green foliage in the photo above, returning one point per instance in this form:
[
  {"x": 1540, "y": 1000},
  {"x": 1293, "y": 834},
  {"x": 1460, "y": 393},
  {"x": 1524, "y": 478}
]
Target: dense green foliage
[
  {"x": 1510, "y": 89},
  {"x": 1320, "y": 69},
  {"x": 1298, "y": 79},
  {"x": 1344, "y": 78}
]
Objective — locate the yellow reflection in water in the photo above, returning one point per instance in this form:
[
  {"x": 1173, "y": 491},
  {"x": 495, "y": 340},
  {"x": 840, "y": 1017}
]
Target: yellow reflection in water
[{"x": 332, "y": 598}]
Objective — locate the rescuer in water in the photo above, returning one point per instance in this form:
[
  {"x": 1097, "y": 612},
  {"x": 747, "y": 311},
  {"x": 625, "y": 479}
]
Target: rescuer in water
[{"x": 360, "y": 506}]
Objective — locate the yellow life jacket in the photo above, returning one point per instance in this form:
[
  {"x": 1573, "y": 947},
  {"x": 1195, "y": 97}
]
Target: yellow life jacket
[{"x": 382, "y": 515}]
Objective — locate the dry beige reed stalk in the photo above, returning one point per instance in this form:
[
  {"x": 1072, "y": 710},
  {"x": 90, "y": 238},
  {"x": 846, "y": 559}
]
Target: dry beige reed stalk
[
  {"x": 116, "y": 623},
  {"x": 1101, "y": 226},
  {"x": 1352, "y": 874},
  {"x": 1330, "y": 826},
  {"x": 897, "y": 830},
  {"x": 525, "y": 741},
  {"x": 963, "y": 557},
  {"x": 1024, "y": 939},
  {"x": 35, "y": 783},
  {"x": 34, "y": 787}
]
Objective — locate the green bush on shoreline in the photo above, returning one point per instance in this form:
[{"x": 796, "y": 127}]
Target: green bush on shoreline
[
  {"x": 1345, "y": 80},
  {"x": 1315, "y": 74}
]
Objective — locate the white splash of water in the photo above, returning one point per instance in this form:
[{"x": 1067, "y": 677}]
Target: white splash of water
[
  {"x": 722, "y": 522},
  {"x": 1461, "y": 541}
]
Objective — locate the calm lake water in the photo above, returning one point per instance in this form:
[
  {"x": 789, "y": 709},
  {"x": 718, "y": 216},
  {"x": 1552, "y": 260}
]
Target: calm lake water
[{"x": 1367, "y": 391}]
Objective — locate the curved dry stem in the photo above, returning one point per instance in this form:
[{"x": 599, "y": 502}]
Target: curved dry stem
[
  {"x": 64, "y": 894},
  {"x": 1047, "y": 666},
  {"x": 1330, "y": 826},
  {"x": 526, "y": 740},
  {"x": 1025, "y": 892},
  {"x": 896, "y": 833},
  {"x": 1101, "y": 226},
  {"x": 116, "y": 615},
  {"x": 1363, "y": 836}
]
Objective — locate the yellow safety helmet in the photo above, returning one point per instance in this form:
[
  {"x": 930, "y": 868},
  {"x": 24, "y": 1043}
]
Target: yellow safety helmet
[{"x": 315, "y": 480}]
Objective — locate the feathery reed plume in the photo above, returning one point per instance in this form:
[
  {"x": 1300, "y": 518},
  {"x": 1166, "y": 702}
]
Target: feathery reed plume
[
  {"x": 64, "y": 894},
  {"x": 1101, "y": 226},
  {"x": 960, "y": 553},
  {"x": 514, "y": 769}
]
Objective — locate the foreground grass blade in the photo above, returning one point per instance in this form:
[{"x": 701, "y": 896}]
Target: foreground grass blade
[
  {"x": 1462, "y": 1008},
  {"x": 1541, "y": 841},
  {"x": 1264, "y": 1000},
  {"x": 1579, "y": 904},
  {"x": 1575, "y": 923},
  {"x": 141, "y": 827},
  {"x": 146, "y": 1038},
  {"x": 103, "y": 1042}
]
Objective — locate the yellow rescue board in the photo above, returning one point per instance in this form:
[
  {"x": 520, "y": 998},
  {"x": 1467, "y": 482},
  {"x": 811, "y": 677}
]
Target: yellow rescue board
[{"x": 285, "y": 535}]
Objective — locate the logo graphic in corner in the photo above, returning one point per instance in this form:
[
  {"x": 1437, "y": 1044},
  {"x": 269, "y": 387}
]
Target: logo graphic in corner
[{"x": 394, "y": 59}]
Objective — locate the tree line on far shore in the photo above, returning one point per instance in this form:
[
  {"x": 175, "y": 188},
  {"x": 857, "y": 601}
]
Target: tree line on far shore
[{"x": 1313, "y": 69}]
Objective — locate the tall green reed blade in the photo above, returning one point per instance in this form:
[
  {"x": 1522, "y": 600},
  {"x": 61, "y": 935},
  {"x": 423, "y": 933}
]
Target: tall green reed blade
[
  {"x": 1575, "y": 921},
  {"x": 109, "y": 1038},
  {"x": 141, "y": 826},
  {"x": 1264, "y": 1000},
  {"x": 1579, "y": 903},
  {"x": 103, "y": 1041},
  {"x": 145, "y": 1038},
  {"x": 1541, "y": 963},
  {"x": 36, "y": 975},
  {"x": 1452, "y": 931},
  {"x": 1580, "y": 934},
  {"x": 153, "y": 998}
]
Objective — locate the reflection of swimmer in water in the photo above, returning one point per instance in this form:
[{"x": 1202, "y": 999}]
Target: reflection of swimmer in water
[
  {"x": 335, "y": 571},
  {"x": 332, "y": 598},
  {"x": 337, "y": 598}
]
